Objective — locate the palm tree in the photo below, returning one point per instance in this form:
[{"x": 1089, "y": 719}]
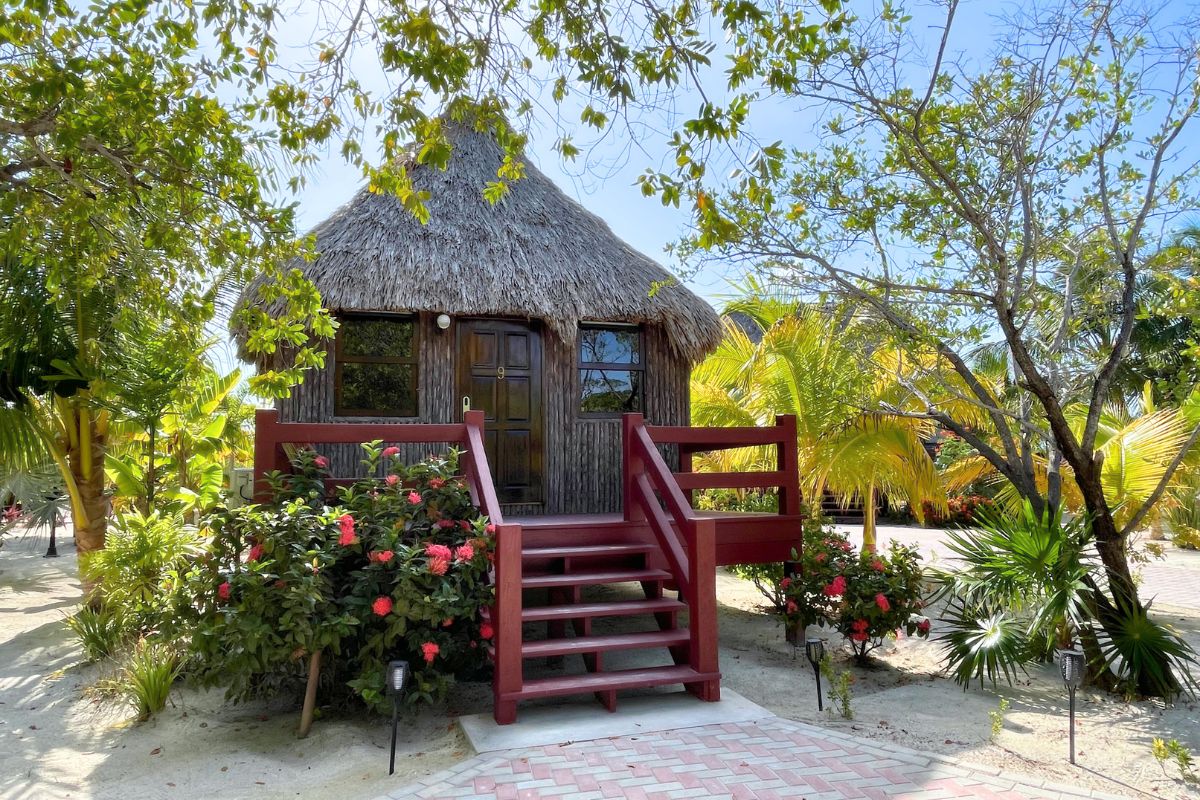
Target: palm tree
[{"x": 785, "y": 358}]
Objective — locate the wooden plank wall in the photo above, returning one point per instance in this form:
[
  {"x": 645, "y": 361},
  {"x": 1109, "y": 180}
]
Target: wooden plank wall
[{"x": 583, "y": 455}]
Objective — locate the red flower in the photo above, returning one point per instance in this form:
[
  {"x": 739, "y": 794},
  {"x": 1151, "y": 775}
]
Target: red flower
[
  {"x": 466, "y": 526},
  {"x": 785, "y": 583},
  {"x": 436, "y": 483},
  {"x": 445, "y": 523},
  {"x": 835, "y": 588},
  {"x": 438, "y": 566},
  {"x": 490, "y": 528},
  {"x": 792, "y": 608},
  {"x": 438, "y": 551},
  {"x": 859, "y": 637},
  {"x": 464, "y": 553},
  {"x": 255, "y": 553},
  {"x": 819, "y": 558},
  {"x": 388, "y": 452},
  {"x": 380, "y": 556},
  {"x": 882, "y": 602},
  {"x": 280, "y": 584},
  {"x": 224, "y": 590},
  {"x": 877, "y": 565},
  {"x": 414, "y": 498},
  {"x": 382, "y": 606},
  {"x": 846, "y": 547},
  {"x": 321, "y": 461},
  {"x": 858, "y": 626},
  {"x": 923, "y": 626},
  {"x": 346, "y": 524},
  {"x": 392, "y": 480},
  {"x": 347, "y": 539},
  {"x": 430, "y": 650},
  {"x": 486, "y": 631}
]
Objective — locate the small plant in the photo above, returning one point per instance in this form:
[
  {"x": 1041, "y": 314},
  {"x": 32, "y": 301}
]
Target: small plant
[
  {"x": 147, "y": 678},
  {"x": 839, "y": 693},
  {"x": 997, "y": 717},
  {"x": 98, "y": 630},
  {"x": 1172, "y": 750},
  {"x": 1186, "y": 538}
]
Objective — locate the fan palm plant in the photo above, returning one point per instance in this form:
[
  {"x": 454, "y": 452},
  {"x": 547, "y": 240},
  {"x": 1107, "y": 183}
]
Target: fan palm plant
[{"x": 788, "y": 359}]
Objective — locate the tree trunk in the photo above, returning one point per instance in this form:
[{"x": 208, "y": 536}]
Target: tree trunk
[
  {"x": 869, "y": 520},
  {"x": 87, "y": 470}
]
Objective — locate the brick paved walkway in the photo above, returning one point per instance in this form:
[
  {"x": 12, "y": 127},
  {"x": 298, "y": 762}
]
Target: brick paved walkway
[{"x": 771, "y": 759}]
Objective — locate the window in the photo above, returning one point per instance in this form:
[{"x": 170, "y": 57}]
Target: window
[
  {"x": 375, "y": 370},
  {"x": 610, "y": 370}
]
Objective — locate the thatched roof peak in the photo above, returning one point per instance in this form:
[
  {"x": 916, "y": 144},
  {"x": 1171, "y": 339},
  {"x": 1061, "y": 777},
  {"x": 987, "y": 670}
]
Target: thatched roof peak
[{"x": 536, "y": 254}]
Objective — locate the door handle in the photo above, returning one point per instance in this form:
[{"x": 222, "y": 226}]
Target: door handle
[{"x": 500, "y": 373}]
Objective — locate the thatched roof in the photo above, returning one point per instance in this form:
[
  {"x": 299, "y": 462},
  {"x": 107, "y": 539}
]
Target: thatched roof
[{"x": 537, "y": 254}]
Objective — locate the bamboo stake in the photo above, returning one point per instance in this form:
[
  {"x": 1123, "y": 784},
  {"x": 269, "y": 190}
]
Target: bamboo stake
[{"x": 310, "y": 694}]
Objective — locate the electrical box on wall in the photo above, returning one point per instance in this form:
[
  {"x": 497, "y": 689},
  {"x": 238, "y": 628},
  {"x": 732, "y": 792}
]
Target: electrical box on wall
[{"x": 241, "y": 487}]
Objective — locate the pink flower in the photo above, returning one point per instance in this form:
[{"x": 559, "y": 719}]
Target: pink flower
[
  {"x": 877, "y": 565},
  {"x": 820, "y": 558},
  {"x": 846, "y": 547},
  {"x": 321, "y": 461},
  {"x": 923, "y": 627},
  {"x": 438, "y": 551},
  {"x": 430, "y": 650},
  {"x": 486, "y": 631},
  {"x": 255, "y": 553},
  {"x": 792, "y": 608},
  {"x": 490, "y": 528},
  {"x": 464, "y": 553},
  {"x": 224, "y": 590},
  {"x": 380, "y": 556},
  {"x": 882, "y": 602},
  {"x": 436, "y": 483},
  {"x": 445, "y": 523},
  {"x": 346, "y": 524},
  {"x": 388, "y": 452},
  {"x": 835, "y": 588},
  {"x": 414, "y": 498},
  {"x": 786, "y": 582},
  {"x": 392, "y": 480},
  {"x": 382, "y": 606},
  {"x": 438, "y": 566}
]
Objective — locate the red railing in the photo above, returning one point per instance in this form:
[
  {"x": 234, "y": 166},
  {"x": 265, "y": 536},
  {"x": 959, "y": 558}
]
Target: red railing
[{"x": 270, "y": 435}]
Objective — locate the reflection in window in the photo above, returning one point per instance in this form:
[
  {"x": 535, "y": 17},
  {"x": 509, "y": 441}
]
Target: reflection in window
[
  {"x": 375, "y": 372},
  {"x": 610, "y": 370}
]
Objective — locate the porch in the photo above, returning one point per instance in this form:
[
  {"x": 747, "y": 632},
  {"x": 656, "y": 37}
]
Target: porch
[{"x": 548, "y": 568}]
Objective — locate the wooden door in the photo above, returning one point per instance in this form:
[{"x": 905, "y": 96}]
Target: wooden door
[{"x": 500, "y": 370}]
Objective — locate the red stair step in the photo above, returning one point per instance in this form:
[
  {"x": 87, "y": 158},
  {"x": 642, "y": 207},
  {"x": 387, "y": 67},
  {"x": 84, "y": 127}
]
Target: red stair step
[
  {"x": 615, "y": 608},
  {"x": 587, "y": 551},
  {"x": 600, "y": 681},
  {"x": 601, "y": 644},
  {"x": 554, "y": 580}
]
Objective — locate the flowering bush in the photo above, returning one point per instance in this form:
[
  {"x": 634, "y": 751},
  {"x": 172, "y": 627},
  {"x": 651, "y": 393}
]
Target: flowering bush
[
  {"x": 962, "y": 510},
  {"x": 864, "y": 596},
  {"x": 396, "y": 569}
]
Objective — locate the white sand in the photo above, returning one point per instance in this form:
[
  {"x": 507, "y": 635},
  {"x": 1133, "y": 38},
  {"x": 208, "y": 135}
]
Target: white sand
[{"x": 56, "y": 741}]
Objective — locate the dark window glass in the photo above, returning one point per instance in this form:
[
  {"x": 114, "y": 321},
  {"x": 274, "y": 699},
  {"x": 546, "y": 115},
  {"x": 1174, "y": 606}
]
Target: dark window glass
[
  {"x": 610, "y": 370},
  {"x": 376, "y": 367},
  {"x": 610, "y": 391},
  {"x": 610, "y": 346}
]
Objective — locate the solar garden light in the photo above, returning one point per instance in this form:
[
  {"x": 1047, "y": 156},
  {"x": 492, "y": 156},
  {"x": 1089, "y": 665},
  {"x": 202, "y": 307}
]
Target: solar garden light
[
  {"x": 1071, "y": 664},
  {"x": 398, "y": 673},
  {"x": 814, "y": 648}
]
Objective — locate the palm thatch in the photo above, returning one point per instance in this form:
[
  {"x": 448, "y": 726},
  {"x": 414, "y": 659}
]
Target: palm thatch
[{"x": 536, "y": 254}]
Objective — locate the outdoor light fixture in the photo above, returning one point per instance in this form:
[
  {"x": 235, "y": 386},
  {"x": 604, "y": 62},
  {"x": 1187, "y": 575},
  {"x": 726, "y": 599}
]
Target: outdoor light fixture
[
  {"x": 397, "y": 677},
  {"x": 814, "y": 648},
  {"x": 443, "y": 321},
  {"x": 1071, "y": 664}
]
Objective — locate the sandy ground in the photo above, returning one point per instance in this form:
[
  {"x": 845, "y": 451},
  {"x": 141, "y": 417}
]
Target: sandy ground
[{"x": 58, "y": 741}]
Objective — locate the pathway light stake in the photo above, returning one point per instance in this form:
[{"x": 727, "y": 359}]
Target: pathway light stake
[
  {"x": 1071, "y": 664},
  {"x": 814, "y": 648},
  {"x": 398, "y": 673}
]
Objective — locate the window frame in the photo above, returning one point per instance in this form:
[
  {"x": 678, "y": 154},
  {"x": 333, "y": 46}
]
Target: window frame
[
  {"x": 414, "y": 360},
  {"x": 607, "y": 366}
]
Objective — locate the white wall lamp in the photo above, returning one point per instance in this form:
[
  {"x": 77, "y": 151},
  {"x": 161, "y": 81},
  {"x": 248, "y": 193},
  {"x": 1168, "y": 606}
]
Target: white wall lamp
[{"x": 443, "y": 321}]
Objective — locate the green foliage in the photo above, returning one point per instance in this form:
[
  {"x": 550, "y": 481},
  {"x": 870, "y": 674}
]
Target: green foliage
[
  {"x": 145, "y": 680},
  {"x": 136, "y": 572},
  {"x": 838, "y": 690},
  {"x": 997, "y": 717},
  {"x": 396, "y": 569},
  {"x": 100, "y": 631},
  {"x": 865, "y": 597},
  {"x": 1172, "y": 750}
]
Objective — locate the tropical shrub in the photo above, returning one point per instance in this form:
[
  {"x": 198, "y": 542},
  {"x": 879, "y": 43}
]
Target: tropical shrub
[
  {"x": 99, "y": 631},
  {"x": 864, "y": 596},
  {"x": 397, "y": 568},
  {"x": 960, "y": 511},
  {"x": 1025, "y": 585}
]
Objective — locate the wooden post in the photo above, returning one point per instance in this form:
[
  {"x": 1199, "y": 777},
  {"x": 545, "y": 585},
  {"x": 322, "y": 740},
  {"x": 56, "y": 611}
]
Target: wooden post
[
  {"x": 702, "y": 607},
  {"x": 266, "y": 447},
  {"x": 788, "y": 461},
  {"x": 631, "y": 466},
  {"x": 310, "y": 694},
  {"x": 506, "y": 620}
]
